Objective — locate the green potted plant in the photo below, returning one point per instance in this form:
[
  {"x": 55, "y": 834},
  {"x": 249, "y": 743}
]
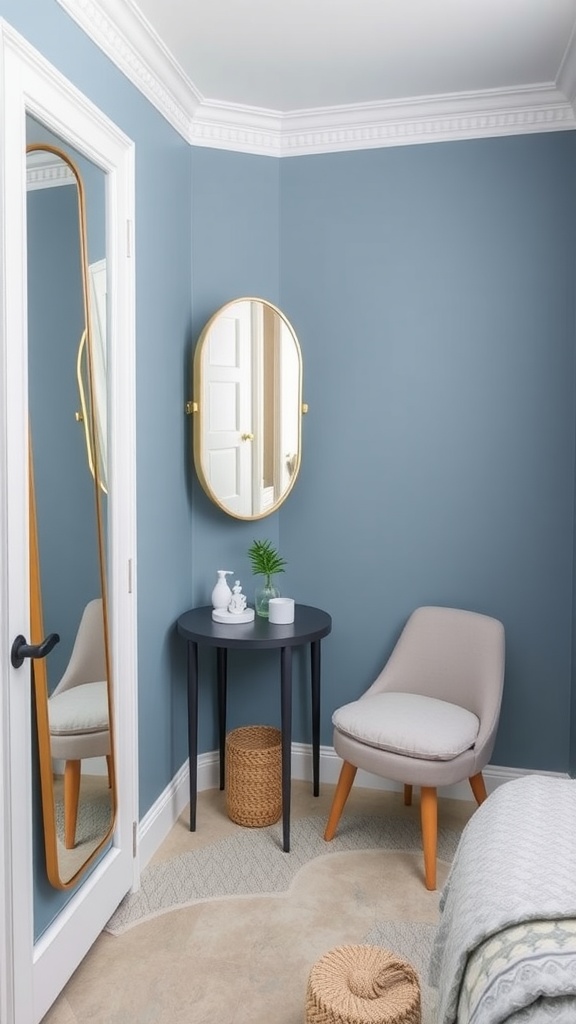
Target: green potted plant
[{"x": 267, "y": 562}]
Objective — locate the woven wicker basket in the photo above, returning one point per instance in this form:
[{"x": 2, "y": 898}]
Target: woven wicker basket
[{"x": 254, "y": 775}]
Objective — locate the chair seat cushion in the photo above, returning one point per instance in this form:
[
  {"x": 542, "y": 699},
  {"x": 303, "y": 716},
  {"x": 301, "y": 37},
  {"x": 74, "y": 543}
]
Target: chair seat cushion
[
  {"x": 409, "y": 724},
  {"x": 80, "y": 709}
]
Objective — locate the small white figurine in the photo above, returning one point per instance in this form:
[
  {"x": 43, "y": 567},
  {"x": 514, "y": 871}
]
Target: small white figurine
[
  {"x": 238, "y": 600},
  {"x": 235, "y": 611}
]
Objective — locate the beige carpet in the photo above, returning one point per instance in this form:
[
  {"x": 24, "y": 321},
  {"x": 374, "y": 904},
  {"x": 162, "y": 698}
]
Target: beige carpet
[{"x": 218, "y": 957}]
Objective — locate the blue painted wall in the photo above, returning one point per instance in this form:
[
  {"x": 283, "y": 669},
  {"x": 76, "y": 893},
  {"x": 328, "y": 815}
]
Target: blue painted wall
[
  {"x": 433, "y": 291},
  {"x": 235, "y": 252},
  {"x": 432, "y": 288}
]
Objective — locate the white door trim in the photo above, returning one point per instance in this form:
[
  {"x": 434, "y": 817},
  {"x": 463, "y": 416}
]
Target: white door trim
[{"x": 30, "y": 977}]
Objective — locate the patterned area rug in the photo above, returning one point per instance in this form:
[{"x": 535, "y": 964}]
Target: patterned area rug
[
  {"x": 229, "y": 931},
  {"x": 251, "y": 862},
  {"x": 254, "y": 919}
]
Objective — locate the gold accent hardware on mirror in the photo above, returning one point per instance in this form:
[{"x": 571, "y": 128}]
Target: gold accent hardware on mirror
[
  {"x": 191, "y": 407},
  {"x": 84, "y": 416},
  {"x": 247, "y": 370},
  {"x": 76, "y": 768},
  {"x": 304, "y": 408}
]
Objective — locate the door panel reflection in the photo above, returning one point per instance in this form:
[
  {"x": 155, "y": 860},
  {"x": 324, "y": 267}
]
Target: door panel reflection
[{"x": 247, "y": 384}]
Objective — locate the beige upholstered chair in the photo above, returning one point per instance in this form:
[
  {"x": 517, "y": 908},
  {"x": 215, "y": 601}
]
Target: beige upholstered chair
[
  {"x": 78, "y": 711},
  {"x": 430, "y": 717}
]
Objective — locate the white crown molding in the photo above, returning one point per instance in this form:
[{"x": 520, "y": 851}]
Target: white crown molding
[
  {"x": 243, "y": 129},
  {"x": 433, "y": 119},
  {"x": 566, "y": 78},
  {"x": 43, "y": 171},
  {"x": 128, "y": 39}
]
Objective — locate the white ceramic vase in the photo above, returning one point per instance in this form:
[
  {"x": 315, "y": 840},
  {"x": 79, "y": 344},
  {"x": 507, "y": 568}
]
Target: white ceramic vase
[{"x": 222, "y": 595}]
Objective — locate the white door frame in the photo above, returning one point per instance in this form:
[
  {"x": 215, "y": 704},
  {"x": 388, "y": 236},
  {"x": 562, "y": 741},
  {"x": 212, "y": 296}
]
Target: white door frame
[{"x": 31, "y": 976}]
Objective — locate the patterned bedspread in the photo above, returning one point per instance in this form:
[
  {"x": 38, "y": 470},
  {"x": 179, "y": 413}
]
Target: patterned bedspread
[
  {"x": 505, "y": 950},
  {"x": 522, "y": 974}
]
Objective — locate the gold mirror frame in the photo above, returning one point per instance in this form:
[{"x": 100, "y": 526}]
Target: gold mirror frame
[
  {"x": 88, "y": 411},
  {"x": 39, "y": 668},
  {"x": 247, "y": 408}
]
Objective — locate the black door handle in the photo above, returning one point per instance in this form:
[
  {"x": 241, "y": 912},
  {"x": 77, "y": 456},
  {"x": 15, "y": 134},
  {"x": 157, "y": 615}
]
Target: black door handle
[{"x": 21, "y": 649}]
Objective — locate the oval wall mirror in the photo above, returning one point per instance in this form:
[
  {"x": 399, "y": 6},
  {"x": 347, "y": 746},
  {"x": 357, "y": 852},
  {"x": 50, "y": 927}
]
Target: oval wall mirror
[
  {"x": 67, "y": 370},
  {"x": 247, "y": 408}
]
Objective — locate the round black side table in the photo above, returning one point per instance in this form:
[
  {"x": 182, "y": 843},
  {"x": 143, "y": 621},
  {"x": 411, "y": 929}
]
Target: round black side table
[{"x": 309, "y": 627}]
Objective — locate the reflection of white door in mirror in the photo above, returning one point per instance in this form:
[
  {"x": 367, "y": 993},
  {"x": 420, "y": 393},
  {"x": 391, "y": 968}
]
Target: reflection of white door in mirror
[
  {"x": 227, "y": 417},
  {"x": 247, "y": 383}
]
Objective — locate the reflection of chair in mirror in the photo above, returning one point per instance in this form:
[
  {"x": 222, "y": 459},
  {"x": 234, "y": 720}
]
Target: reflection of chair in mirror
[
  {"x": 430, "y": 717},
  {"x": 78, "y": 711}
]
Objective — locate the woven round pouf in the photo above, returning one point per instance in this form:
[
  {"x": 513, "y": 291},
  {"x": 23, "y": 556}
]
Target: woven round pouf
[
  {"x": 254, "y": 775},
  {"x": 363, "y": 985}
]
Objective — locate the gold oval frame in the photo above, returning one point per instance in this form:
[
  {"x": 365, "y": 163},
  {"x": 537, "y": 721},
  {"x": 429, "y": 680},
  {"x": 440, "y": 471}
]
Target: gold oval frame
[{"x": 195, "y": 409}]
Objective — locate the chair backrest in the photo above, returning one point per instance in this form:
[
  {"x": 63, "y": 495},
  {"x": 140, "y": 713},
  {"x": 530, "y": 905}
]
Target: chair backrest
[
  {"x": 449, "y": 653},
  {"x": 88, "y": 659}
]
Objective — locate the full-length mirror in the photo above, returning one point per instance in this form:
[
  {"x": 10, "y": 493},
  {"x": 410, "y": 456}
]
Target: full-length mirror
[
  {"x": 247, "y": 408},
  {"x": 68, "y": 499}
]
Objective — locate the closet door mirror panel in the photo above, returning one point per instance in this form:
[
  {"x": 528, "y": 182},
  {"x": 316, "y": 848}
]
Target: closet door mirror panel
[{"x": 67, "y": 340}]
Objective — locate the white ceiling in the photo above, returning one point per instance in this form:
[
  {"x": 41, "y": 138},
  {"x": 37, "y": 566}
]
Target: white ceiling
[
  {"x": 290, "y": 55},
  {"x": 288, "y": 76}
]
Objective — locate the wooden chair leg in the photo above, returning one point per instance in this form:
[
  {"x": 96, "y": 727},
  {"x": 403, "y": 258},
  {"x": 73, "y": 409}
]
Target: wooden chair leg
[
  {"x": 429, "y": 819},
  {"x": 479, "y": 788},
  {"x": 347, "y": 776},
  {"x": 407, "y": 795},
  {"x": 110, "y": 770},
  {"x": 71, "y": 794}
]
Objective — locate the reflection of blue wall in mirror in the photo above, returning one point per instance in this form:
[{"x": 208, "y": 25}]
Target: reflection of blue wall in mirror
[
  {"x": 64, "y": 487},
  {"x": 69, "y": 567},
  {"x": 70, "y": 575},
  {"x": 94, "y": 181},
  {"x": 53, "y": 343}
]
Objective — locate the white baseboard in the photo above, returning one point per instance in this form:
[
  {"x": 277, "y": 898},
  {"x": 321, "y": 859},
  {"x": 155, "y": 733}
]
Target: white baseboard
[{"x": 164, "y": 813}]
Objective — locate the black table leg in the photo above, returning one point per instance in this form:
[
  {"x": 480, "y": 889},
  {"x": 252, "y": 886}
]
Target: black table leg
[
  {"x": 193, "y": 728},
  {"x": 315, "y": 675},
  {"x": 286, "y": 715},
  {"x": 222, "y": 666}
]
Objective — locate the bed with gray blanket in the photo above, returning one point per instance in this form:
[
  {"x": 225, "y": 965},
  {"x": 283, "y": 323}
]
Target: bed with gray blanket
[{"x": 505, "y": 950}]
